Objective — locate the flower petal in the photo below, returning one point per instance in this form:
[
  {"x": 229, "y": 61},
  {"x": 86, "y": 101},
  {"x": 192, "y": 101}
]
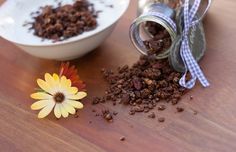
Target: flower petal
[
  {"x": 49, "y": 79},
  {"x": 46, "y": 110},
  {"x": 45, "y": 86},
  {"x": 56, "y": 78},
  {"x": 64, "y": 112},
  {"x": 65, "y": 83},
  {"x": 75, "y": 104},
  {"x": 68, "y": 82},
  {"x": 72, "y": 90},
  {"x": 57, "y": 110},
  {"x": 78, "y": 96},
  {"x": 69, "y": 108},
  {"x": 40, "y": 96},
  {"x": 40, "y": 104}
]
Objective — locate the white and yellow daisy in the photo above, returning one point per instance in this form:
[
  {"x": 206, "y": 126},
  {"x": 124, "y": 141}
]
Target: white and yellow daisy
[{"x": 59, "y": 94}]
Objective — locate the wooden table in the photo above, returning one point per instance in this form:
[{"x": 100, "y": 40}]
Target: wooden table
[{"x": 211, "y": 130}]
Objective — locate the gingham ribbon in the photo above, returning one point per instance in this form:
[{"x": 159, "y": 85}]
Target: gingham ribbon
[{"x": 190, "y": 63}]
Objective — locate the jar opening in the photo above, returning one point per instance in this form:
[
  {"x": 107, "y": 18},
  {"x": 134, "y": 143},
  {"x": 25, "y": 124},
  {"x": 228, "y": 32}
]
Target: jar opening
[
  {"x": 158, "y": 39},
  {"x": 140, "y": 36}
]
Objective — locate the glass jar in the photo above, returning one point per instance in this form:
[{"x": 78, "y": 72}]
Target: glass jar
[
  {"x": 152, "y": 11},
  {"x": 169, "y": 14}
]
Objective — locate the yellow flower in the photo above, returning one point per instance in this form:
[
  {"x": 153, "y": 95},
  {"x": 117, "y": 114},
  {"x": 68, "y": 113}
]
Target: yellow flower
[{"x": 59, "y": 94}]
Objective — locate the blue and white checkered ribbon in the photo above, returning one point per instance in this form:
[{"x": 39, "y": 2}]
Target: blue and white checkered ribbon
[{"x": 190, "y": 63}]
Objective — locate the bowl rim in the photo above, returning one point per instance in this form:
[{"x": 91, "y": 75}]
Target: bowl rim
[{"x": 76, "y": 38}]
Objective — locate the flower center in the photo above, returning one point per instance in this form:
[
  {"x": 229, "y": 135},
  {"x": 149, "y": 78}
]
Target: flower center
[{"x": 59, "y": 97}]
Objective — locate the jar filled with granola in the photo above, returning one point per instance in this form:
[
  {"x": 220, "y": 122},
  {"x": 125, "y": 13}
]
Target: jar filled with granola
[{"x": 158, "y": 30}]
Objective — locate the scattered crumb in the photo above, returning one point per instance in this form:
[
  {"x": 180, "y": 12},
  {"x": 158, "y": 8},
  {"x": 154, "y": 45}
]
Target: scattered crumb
[
  {"x": 191, "y": 97},
  {"x": 115, "y": 113},
  {"x": 161, "y": 107},
  {"x": 180, "y": 109},
  {"x": 93, "y": 110},
  {"x": 152, "y": 115},
  {"x": 161, "y": 119},
  {"x": 107, "y": 115},
  {"x": 122, "y": 138}
]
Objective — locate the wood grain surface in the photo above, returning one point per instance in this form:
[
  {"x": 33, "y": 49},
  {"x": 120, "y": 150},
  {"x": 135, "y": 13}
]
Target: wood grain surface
[{"x": 211, "y": 130}]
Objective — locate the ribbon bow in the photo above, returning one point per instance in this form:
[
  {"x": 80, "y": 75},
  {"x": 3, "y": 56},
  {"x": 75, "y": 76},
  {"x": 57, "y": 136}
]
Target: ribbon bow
[{"x": 190, "y": 63}]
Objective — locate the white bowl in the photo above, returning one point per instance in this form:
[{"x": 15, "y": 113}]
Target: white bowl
[{"x": 14, "y": 13}]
